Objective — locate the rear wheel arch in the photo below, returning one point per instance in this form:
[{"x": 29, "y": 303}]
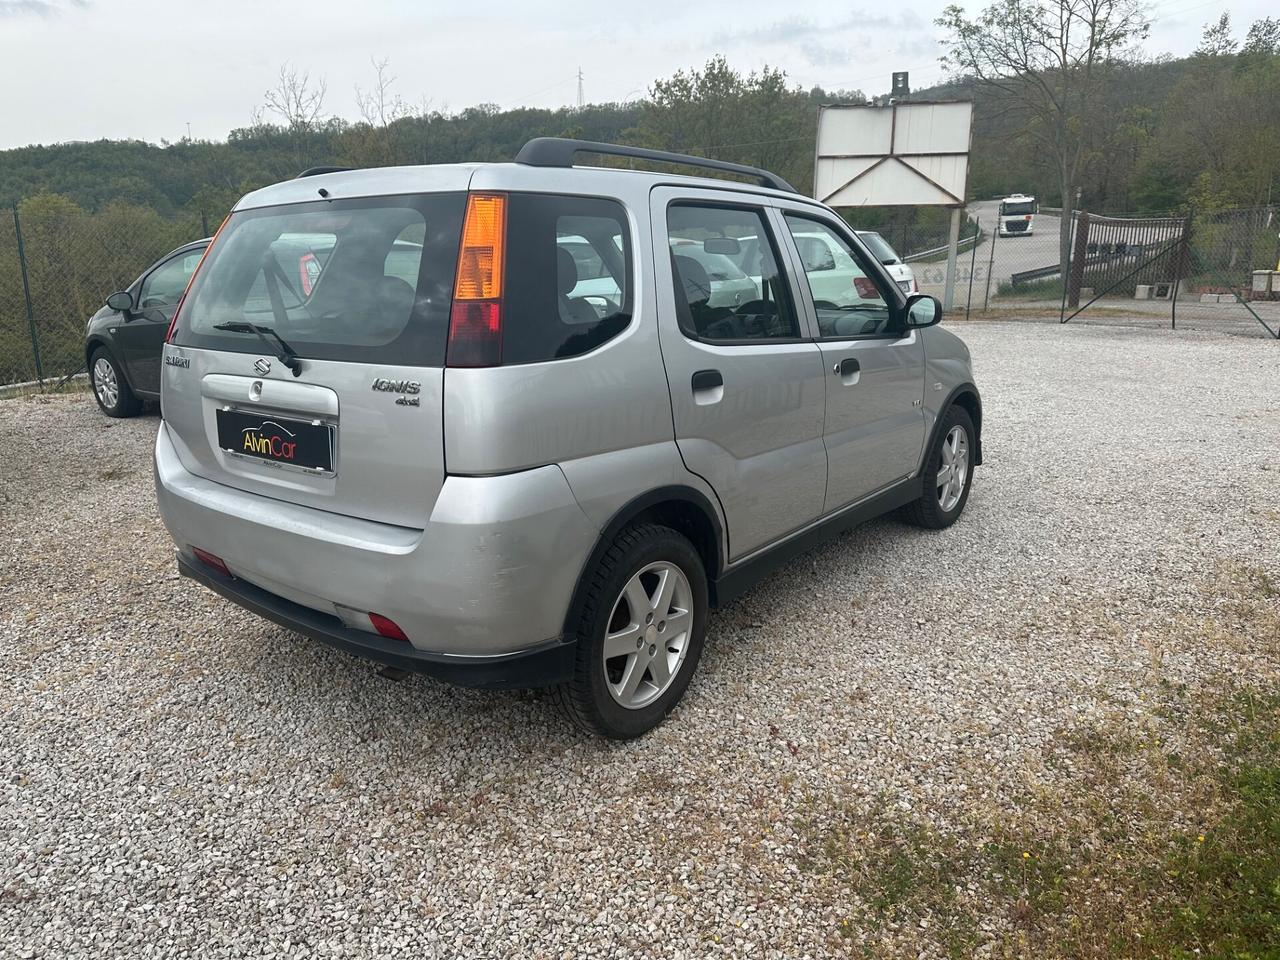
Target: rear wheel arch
[{"x": 684, "y": 509}]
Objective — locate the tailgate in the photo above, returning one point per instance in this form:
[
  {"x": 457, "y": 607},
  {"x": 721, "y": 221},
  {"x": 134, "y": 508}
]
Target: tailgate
[{"x": 355, "y": 290}]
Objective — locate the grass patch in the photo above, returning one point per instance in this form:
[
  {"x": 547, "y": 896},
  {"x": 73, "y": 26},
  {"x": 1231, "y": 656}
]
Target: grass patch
[
  {"x": 1047, "y": 289},
  {"x": 1150, "y": 832}
]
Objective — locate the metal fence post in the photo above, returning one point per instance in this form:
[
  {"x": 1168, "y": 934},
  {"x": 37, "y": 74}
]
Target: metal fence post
[
  {"x": 973, "y": 264},
  {"x": 1181, "y": 265},
  {"x": 204, "y": 224},
  {"x": 991, "y": 264},
  {"x": 26, "y": 292},
  {"x": 1078, "y": 256}
]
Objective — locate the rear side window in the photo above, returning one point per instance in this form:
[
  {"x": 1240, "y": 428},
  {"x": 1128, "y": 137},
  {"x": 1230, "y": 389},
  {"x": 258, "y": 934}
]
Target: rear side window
[
  {"x": 362, "y": 280},
  {"x": 568, "y": 276},
  {"x": 717, "y": 299}
]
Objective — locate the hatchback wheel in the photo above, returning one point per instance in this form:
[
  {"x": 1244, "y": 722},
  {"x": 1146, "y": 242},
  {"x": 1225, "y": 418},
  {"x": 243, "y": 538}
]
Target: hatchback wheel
[
  {"x": 642, "y": 629},
  {"x": 947, "y": 474},
  {"x": 110, "y": 388}
]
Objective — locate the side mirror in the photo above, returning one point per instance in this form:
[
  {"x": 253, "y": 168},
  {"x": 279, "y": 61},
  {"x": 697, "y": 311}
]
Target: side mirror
[
  {"x": 121, "y": 301},
  {"x": 923, "y": 310}
]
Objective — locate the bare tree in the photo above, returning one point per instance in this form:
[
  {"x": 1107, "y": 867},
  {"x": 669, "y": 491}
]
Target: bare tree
[
  {"x": 379, "y": 106},
  {"x": 1049, "y": 60},
  {"x": 296, "y": 100}
]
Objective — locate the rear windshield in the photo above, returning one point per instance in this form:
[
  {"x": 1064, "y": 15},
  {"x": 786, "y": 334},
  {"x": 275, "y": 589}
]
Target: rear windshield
[
  {"x": 879, "y": 247},
  {"x": 366, "y": 280}
]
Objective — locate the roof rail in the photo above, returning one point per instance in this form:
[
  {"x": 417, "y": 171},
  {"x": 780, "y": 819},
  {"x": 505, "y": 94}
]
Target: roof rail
[
  {"x": 316, "y": 171},
  {"x": 560, "y": 151}
]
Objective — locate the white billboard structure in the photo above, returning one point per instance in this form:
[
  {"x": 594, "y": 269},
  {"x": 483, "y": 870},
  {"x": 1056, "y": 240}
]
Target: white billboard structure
[{"x": 914, "y": 153}]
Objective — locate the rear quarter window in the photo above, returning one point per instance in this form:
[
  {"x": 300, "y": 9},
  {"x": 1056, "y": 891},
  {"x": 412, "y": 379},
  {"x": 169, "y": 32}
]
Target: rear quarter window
[{"x": 568, "y": 280}]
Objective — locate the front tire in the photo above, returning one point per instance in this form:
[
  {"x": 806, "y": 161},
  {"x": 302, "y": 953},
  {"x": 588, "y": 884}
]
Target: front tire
[
  {"x": 947, "y": 475},
  {"x": 640, "y": 635},
  {"x": 110, "y": 388}
]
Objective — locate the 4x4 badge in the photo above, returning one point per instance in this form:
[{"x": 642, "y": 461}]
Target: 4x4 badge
[{"x": 262, "y": 365}]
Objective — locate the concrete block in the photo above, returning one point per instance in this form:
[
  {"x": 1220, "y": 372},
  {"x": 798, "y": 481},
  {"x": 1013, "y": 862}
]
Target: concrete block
[
  {"x": 1142, "y": 291},
  {"x": 1208, "y": 298}
]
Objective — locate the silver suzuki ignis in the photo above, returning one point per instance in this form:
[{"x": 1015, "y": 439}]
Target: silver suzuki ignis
[{"x": 525, "y": 424}]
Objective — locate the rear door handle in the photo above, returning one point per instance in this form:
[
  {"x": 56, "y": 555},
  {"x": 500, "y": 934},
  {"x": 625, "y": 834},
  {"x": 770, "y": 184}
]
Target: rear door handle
[
  {"x": 847, "y": 367},
  {"x": 708, "y": 387}
]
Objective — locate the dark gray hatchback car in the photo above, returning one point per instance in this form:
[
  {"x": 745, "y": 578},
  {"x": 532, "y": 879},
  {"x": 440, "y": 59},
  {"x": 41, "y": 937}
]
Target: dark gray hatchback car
[{"x": 124, "y": 340}]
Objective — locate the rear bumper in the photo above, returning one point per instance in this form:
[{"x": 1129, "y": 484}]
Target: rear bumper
[
  {"x": 491, "y": 575},
  {"x": 541, "y": 666}
]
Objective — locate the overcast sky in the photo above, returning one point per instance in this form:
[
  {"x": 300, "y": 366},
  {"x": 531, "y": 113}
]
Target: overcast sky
[{"x": 144, "y": 69}]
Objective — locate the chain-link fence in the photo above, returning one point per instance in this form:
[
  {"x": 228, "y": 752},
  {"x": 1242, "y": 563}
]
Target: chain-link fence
[
  {"x": 58, "y": 263},
  {"x": 1218, "y": 270},
  {"x": 1196, "y": 270}
]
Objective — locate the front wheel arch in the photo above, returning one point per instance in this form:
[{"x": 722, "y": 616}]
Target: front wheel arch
[{"x": 966, "y": 396}]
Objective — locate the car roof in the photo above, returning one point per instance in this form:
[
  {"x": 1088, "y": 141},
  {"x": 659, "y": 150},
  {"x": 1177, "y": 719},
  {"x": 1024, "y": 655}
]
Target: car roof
[
  {"x": 585, "y": 179},
  {"x": 193, "y": 245}
]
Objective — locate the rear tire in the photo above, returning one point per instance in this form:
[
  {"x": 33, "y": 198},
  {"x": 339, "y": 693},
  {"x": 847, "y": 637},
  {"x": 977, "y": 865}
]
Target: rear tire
[
  {"x": 947, "y": 476},
  {"x": 640, "y": 635},
  {"x": 110, "y": 388}
]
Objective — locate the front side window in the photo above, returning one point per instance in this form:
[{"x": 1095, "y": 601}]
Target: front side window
[
  {"x": 848, "y": 303},
  {"x": 363, "y": 280},
  {"x": 717, "y": 300},
  {"x": 165, "y": 285}
]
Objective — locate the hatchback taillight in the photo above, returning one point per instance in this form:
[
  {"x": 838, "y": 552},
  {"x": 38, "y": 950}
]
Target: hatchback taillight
[{"x": 475, "y": 320}]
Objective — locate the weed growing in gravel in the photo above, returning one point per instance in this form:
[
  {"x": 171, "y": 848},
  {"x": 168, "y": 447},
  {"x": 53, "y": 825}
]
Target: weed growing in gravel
[{"x": 1151, "y": 832}]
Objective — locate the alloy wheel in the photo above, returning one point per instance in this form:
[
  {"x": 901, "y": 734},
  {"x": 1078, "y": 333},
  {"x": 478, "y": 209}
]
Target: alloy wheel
[
  {"x": 648, "y": 634},
  {"x": 954, "y": 473},
  {"x": 105, "y": 384}
]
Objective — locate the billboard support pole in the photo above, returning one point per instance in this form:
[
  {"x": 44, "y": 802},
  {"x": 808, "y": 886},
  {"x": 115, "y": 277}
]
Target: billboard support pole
[{"x": 953, "y": 244}]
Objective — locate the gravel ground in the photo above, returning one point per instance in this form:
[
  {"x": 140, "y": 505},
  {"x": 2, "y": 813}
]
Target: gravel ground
[{"x": 179, "y": 778}]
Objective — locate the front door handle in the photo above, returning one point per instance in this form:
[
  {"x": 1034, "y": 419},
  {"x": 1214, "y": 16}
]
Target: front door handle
[
  {"x": 847, "y": 367},
  {"x": 707, "y": 380}
]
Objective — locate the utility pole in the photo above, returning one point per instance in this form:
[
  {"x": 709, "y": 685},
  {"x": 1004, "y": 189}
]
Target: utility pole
[{"x": 580, "y": 101}]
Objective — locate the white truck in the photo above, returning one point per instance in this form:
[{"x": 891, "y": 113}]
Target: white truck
[{"x": 1017, "y": 215}]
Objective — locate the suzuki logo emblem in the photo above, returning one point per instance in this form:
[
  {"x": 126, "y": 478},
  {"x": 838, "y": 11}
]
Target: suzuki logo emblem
[{"x": 262, "y": 365}]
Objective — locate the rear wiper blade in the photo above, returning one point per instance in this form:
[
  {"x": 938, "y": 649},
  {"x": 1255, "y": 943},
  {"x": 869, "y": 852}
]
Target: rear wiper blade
[{"x": 284, "y": 352}]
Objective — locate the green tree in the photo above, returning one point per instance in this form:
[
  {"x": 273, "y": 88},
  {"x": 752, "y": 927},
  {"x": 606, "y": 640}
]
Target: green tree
[{"x": 1049, "y": 61}]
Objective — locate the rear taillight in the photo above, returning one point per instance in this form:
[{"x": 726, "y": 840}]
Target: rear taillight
[
  {"x": 173, "y": 324},
  {"x": 387, "y": 628},
  {"x": 475, "y": 320},
  {"x": 209, "y": 560}
]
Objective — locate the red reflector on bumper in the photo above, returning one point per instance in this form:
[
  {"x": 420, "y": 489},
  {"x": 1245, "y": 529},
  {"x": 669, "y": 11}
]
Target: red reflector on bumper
[
  {"x": 209, "y": 560},
  {"x": 387, "y": 628}
]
